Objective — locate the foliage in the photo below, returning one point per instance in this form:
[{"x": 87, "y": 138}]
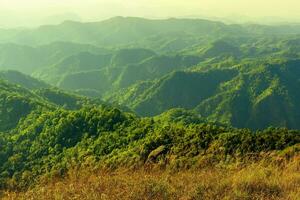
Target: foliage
[{"x": 52, "y": 141}]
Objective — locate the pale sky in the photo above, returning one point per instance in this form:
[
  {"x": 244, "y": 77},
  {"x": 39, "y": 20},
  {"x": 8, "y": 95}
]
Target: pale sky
[{"x": 27, "y": 12}]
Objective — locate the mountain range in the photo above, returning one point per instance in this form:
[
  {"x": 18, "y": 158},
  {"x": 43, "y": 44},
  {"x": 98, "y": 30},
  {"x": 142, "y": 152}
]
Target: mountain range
[
  {"x": 245, "y": 76},
  {"x": 84, "y": 103}
]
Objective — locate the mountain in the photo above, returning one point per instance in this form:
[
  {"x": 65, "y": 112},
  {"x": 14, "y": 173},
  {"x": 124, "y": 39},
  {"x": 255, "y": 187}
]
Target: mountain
[
  {"x": 119, "y": 31},
  {"x": 15, "y": 103},
  {"x": 165, "y": 34},
  {"x": 95, "y": 73},
  {"x": 179, "y": 89},
  {"x": 22, "y": 79},
  {"x": 96, "y": 81},
  {"x": 31, "y": 95},
  {"x": 254, "y": 95},
  {"x": 103, "y": 73},
  {"x": 265, "y": 96},
  {"x": 28, "y": 59},
  {"x": 232, "y": 74},
  {"x": 154, "y": 67},
  {"x": 80, "y": 62}
]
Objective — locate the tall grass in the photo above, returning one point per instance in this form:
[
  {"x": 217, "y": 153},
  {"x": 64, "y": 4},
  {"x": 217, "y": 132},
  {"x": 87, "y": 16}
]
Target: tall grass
[{"x": 255, "y": 181}]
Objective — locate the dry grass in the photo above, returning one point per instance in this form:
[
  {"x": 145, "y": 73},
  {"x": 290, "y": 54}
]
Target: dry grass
[{"x": 256, "y": 181}]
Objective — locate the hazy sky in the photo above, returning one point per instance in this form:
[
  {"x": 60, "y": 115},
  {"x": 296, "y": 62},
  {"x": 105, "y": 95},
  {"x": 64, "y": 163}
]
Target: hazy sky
[{"x": 25, "y": 12}]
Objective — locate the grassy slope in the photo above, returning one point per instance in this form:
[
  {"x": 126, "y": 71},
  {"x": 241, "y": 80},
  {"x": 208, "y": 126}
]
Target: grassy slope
[{"x": 254, "y": 181}]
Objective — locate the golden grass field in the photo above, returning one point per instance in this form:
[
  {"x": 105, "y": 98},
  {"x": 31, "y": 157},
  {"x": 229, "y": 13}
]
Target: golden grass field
[{"x": 255, "y": 181}]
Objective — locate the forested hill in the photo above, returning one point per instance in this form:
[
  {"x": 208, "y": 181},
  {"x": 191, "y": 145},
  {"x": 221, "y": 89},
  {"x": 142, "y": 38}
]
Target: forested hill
[
  {"x": 245, "y": 76},
  {"x": 247, "y": 95},
  {"x": 22, "y": 79},
  {"x": 51, "y": 132},
  {"x": 18, "y": 101}
]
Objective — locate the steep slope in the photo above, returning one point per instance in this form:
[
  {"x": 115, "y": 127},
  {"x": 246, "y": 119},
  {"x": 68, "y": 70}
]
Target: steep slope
[
  {"x": 153, "y": 68},
  {"x": 101, "y": 74},
  {"x": 266, "y": 96},
  {"x": 97, "y": 80},
  {"x": 106, "y": 73},
  {"x": 128, "y": 56},
  {"x": 22, "y": 79},
  {"x": 77, "y": 66},
  {"x": 15, "y": 103},
  {"x": 81, "y": 62},
  {"x": 28, "y": 59},
  {"x": 253, "y": 94},
  {"x": 64, "y": 99},
  {"x": 178, "y": 89},
  {"x": 221, "y": 48}
]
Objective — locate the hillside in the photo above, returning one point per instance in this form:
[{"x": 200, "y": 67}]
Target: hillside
[
  {"x": 16, "y": 102},
  {"x": 22, "y": 79},
  {"x": 31, "y": 95},
  {"x": 265, "y": 96},
  {"x": 55, "y": 134},
  {"x": 179, "y": 89},
  {"x": 243, "y": 96},
  {"x": 106, "y": 73},
  {"x": 28, "y": 58}
]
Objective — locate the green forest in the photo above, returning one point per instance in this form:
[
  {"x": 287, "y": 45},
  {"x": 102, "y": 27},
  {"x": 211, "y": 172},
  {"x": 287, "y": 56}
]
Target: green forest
[{"x": 161, "y": 96}]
